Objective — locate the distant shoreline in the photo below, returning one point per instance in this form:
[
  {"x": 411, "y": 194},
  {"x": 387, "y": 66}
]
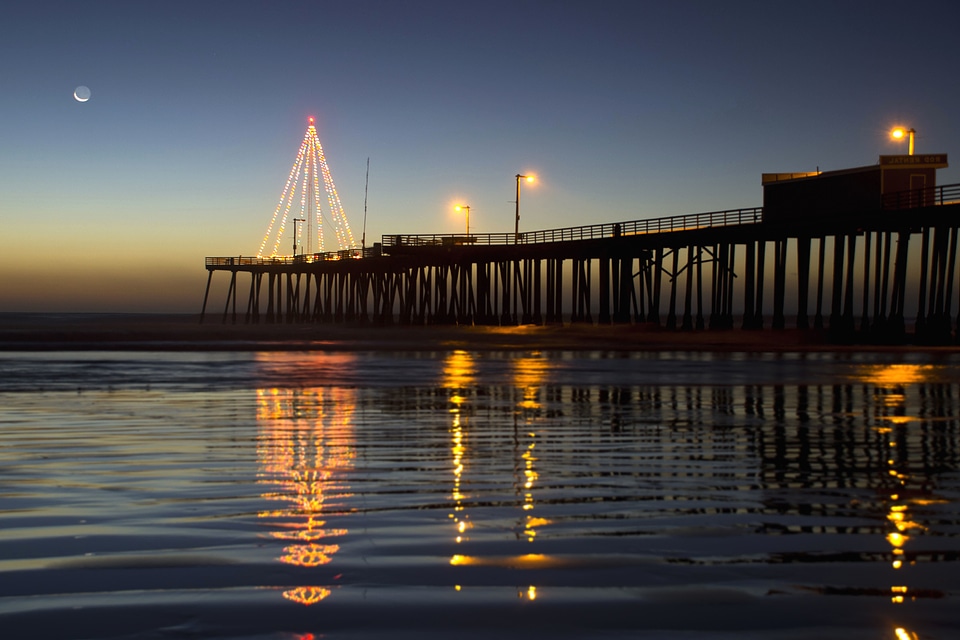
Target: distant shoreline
[{"x": 184, "y": 332}]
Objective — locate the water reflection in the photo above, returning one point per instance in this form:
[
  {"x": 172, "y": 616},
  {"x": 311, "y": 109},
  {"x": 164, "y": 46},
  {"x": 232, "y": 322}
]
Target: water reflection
[
  {"x": 530, "y": 372},
  {"x": 305, "y": 449},
  {"x": 459, "y": 371},
  {"x": 823, "y": 504},
  {"x": 896, "y": 375},
  {"x": 849, "y": 470},
  {"x": 905, "y": 492}
]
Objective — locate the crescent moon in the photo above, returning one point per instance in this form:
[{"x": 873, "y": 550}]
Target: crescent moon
[{"x": 81, "y": 94}]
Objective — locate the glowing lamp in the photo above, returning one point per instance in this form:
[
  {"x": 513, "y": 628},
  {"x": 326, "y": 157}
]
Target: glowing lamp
[
  {"x": 516, "y": 228},
  {"x": 464, "y": 207},
  {"x": 898, "y": 134}
]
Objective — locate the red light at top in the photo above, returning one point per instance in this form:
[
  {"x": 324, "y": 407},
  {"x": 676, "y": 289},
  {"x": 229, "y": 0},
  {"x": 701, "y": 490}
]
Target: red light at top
[{"x": 310, "y": 119}]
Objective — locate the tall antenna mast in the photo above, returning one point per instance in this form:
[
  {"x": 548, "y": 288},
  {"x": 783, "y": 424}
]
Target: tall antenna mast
[{"x": 363, "y": 236}]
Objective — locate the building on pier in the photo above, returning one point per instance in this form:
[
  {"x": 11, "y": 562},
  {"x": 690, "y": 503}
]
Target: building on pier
[{"x": 800, "y": 196}]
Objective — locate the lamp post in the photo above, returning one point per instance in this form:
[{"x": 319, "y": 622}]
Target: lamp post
[
  {"x": 516, "y": 228},
  {"x": 898, "y": 134},
  {"x": 295, "y": 228},
  {"x": 465, "y": 207}
]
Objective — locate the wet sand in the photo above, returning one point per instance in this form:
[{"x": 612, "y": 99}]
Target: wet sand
[
  {"x": 42, "y": 332},
  {"x": 35, "y": 332}
]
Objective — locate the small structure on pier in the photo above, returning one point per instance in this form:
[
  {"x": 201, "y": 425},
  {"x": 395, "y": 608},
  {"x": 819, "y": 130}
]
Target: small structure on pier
[{"x": 895, "y": 182}]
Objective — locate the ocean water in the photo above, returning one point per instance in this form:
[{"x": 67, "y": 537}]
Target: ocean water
[{"x": 453, "y": 494}]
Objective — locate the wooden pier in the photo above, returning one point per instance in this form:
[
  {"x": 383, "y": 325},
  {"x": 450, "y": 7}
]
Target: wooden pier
[{"x": 882, "y": 274}]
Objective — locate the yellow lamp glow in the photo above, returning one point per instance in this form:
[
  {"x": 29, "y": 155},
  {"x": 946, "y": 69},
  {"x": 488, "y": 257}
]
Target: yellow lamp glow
[
  {"x": 898, "y": 133},
  {"x": 464, "y": 207},
  {"x": 516, "y": 229}
]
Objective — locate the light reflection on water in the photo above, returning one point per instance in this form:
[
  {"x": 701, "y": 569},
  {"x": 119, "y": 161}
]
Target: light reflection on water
[
  {"x": 306, "y": 452},
  {"x": 509, "y": 492}
]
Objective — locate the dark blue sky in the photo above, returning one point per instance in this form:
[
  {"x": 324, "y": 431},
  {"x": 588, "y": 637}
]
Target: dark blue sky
[{"x": 624, "y": 110}]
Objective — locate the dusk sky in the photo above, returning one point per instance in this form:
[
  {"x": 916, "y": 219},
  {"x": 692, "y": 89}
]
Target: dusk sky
[{"x": 623, "y": 109}]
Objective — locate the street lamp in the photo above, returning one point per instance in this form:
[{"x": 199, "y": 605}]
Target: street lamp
[
  {"x": 516, "y": 228},
  {"x": 898, "y": 134},
  {"x": 465, "y": 207},
  {"x": 295, "y": 229}
]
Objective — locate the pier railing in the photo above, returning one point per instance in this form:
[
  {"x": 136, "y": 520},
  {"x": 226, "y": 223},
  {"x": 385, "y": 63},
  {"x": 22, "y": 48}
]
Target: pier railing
[
  {"x": 911, "y": 199},
  {"x": 925, "y": 197},
  {"x": 685, "y": 222},
  {"x": 308, "y": 258}
]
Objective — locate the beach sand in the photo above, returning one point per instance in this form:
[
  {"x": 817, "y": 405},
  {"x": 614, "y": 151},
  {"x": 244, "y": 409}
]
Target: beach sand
[{"x": 36, "y": 332}]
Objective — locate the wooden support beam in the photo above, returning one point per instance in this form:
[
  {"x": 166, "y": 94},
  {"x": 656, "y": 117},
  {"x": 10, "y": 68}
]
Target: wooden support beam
[{"x": 803, "y": 283}]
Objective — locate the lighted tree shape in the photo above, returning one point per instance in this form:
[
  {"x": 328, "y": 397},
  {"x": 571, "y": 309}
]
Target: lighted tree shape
[{"x": 305, "y": 178}]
